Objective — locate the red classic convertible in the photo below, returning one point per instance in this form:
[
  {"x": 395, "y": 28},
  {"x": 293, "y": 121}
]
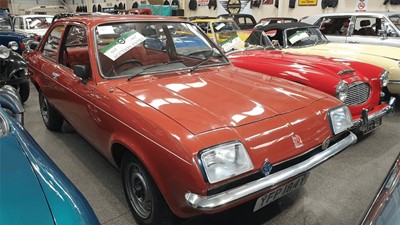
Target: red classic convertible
[
  {"x": 357, "y": 84},
  {"x": 191, "y": 133}
]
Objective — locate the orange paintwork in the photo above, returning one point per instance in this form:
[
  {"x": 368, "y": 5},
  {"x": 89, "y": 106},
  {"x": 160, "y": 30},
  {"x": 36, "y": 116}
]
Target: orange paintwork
[{"x": 166, "y": 120}]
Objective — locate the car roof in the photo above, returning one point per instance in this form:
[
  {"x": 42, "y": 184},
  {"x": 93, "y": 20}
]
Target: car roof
[
  {"x": 99, "y": 19},
  {"x": 212, "y": 20},
  {"x": 357, "y": 13},
  {"x": 34, "y": 15},
  {"x": 283, "y": 26}
]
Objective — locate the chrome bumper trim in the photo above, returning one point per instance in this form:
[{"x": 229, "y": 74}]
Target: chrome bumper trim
[
  {"x": 388, "y": 110},
  {"x": 229, "y": 197}
]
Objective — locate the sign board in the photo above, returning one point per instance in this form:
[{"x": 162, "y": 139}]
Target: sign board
[
  {"x": 361, "y": 5},
  {"x": 308, "y": 2}
]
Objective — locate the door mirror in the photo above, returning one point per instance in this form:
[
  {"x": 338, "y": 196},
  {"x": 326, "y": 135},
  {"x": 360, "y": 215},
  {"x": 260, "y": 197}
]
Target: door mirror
[
  {"x": 31, "y": 45},
  {"x": 81, "y": 71}
]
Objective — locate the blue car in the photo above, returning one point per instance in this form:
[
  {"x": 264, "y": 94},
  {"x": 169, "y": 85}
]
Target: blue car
[
  {"x": 7, "y": 32},
  {"x": 33, "y": 190}
]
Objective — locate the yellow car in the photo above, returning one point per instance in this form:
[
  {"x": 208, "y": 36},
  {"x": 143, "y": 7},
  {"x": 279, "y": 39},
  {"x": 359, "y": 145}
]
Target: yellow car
[
  {"x": 307, "y": 39},
  {"x": 220, "y": 30}
]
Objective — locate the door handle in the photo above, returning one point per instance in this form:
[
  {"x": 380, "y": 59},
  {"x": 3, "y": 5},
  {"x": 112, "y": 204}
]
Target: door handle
[
  {"x": 354, "y": 42},
  {"x": 55, "y": 75}
]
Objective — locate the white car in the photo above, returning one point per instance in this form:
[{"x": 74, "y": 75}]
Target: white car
[
  {"x": 379, "y": 28},
  {"x": 36, "y": 25}
]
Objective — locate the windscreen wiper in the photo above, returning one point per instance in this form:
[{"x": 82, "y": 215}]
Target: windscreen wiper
[
  {"x": 140, "y": 72},
  {"x": 215, "y": 54}
]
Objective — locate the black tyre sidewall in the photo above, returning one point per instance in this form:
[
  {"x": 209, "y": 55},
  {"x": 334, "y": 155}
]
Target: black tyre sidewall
[
  {"x": 55, "y": 120},
  {"x": 160, "y": 212},
  {"x": 24, "y": 91}
]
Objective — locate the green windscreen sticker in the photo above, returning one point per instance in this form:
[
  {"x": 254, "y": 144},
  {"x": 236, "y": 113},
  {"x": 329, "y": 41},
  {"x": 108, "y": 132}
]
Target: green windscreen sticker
[{"x": 122, "y": 44}]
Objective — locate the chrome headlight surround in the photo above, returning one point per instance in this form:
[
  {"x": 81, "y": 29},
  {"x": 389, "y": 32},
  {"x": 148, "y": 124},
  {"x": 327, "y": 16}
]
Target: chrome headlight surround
[
  {"x": 13, "y": 45},
  {"x": 4, "y": 52},
  {"x": 340, "y": 119},
  {"x": 341, "y": 91},
  {"x": 384, "y": 78},
  {"x": 4, "y": 126},
  {"x": 224, "y": 161}
]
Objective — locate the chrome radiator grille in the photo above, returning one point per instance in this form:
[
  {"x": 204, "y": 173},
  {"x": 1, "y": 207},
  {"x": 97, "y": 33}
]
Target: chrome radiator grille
[{"x": 358, "y": 93}]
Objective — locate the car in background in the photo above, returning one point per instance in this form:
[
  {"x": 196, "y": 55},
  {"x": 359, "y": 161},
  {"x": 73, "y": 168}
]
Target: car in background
[
  {"x": 244, "y": 21},
  {"x": 8, "y": 33},
  {"x": 307, "y": 39},
  {"x": 31, "y": 184},
  {"x": 219, "y": 30},
  {"x": 35, "y": 25},
  {"x": 271, "y": 20},
  {"x": 14, "y": 71},
  {"x": 379, "y": 28},
  {"x": 385, "y": 208},
  {"x": 357, "y": 84},
  {"x": 158, "y": 98}
]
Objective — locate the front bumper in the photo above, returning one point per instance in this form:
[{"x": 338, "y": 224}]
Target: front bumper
[
  {"x": 363, "y": 121},
  {"x": 265, "y": 184}
]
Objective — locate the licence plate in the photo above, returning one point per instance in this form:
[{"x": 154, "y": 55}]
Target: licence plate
[
  {"x": 280, "y": 192},
  {"x": 372, "y": 124}
]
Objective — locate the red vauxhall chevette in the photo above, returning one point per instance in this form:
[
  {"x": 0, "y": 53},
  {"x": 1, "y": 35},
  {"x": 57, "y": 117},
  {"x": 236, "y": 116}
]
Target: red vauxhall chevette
[{"x": 191, "y": 133}]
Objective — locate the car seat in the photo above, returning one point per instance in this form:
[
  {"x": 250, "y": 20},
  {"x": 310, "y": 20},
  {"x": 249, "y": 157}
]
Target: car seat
[{"x": 365, "y": 28}]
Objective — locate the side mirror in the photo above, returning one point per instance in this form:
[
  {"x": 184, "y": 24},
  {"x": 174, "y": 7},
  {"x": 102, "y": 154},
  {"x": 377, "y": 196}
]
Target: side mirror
[
  {"x": 81, "y": 71},
  {"x": 31, "y": 45},
  {"x": 383, "y": 32}
]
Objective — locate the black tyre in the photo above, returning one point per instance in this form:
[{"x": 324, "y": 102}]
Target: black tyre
[
  {"x": 51, "y": 118},
  {"x": 24, "y": 91},
  {"x": 145, "y": 200}
]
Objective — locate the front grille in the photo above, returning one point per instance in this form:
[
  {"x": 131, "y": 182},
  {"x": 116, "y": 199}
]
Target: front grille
[{"x": 358, "y": 93}]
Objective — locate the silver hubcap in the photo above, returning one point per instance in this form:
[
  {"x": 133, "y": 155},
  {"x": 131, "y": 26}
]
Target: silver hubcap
[
  {"x": 44, "y": 109},
  {"x": 138, "y": 191}
]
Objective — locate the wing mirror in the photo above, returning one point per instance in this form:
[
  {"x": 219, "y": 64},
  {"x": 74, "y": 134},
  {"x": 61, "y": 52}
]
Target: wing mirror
[
  {"x": 82, "y": 72},
  {"x": 30, "y": 45}
]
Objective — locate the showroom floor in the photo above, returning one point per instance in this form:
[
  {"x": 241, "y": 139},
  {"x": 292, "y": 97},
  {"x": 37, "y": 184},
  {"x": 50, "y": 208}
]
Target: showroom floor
[{"x": 337, "y": 192}]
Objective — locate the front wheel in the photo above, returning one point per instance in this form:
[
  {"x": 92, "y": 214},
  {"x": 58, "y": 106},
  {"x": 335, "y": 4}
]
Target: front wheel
[
  {"x": 145, "y": 200},
  {"x": 51, "y": 118}
]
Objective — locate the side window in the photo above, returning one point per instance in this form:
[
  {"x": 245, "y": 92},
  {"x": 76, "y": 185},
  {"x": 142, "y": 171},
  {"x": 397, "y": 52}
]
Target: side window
[
  {"x": 335, "y": 25},
  {"x": 52, "y": 43},
  {"x": 367, "y": 26},
  {"x": 76, "y": 37},
  {"x": 75, "y": 51}
]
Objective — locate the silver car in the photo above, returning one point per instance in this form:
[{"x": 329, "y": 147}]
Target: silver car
[{"x": 382, "y": 28}]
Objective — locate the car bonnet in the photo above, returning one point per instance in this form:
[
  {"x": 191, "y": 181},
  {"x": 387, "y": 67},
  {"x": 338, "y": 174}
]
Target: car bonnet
[
  {"x": 303, "y": 64},
  {"x": 227, "y": 97},
  {"x": 351, "y": 49},
  {"x": 22, "y": 199}
]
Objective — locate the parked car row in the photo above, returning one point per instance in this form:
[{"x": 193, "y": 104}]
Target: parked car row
[{"x": 238, "y": 118}]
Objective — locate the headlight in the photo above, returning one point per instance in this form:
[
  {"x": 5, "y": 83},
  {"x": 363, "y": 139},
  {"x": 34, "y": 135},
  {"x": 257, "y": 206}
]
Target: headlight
[
  {"x": 4, "y": 52},
  {"x": 225, "y": 161},
  {"x": 13, "y": 45},
  {"x": 341, "y": 91},
  {"x": 384, "y": 78},
  {"x": 340, "y": 119}
]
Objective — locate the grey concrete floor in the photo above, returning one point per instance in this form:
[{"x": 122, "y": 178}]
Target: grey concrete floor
[{"x": 337, "y": 192}]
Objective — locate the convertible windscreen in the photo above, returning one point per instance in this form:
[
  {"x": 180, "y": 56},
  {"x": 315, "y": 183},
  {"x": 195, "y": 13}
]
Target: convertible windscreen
[
  {"x": 304, "y": 37},
  {"x": 126, "y": 49}
]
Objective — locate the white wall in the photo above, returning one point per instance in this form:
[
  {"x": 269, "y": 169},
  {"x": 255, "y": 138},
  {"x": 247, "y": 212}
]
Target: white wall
[{"x": 18, "y": 7}]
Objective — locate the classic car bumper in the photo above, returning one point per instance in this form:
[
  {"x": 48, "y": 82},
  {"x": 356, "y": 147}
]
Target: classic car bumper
[
  {"x": 268, "y": 183},
  {"x": 363, "y": 121}
]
